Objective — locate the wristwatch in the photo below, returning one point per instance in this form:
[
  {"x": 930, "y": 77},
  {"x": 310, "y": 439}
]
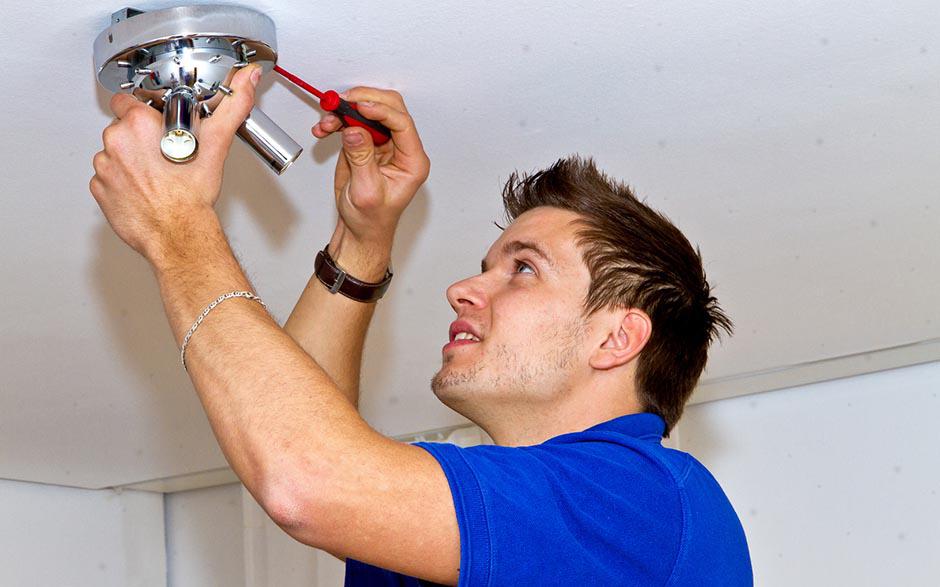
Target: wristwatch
[{"x": 337, "y": 280}]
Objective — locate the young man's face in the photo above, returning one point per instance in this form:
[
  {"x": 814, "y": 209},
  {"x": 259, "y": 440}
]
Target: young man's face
[{"x": 526, "y": 311}]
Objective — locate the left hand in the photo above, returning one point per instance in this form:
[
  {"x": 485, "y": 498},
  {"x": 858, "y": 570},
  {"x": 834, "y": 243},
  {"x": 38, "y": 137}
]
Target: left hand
[
  {"x": 148, "y": 199},
  {"x": 374, "y": 185}
]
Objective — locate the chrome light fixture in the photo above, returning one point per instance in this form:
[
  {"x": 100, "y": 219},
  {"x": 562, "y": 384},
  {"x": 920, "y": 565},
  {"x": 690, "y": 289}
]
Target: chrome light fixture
[{"x": 180, "y": 61}]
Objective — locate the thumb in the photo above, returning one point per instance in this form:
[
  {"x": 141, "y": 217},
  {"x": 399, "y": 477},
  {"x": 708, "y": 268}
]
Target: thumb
[
  {"x": 365, "y": 179},
  {"x": 233, "y": 109}
]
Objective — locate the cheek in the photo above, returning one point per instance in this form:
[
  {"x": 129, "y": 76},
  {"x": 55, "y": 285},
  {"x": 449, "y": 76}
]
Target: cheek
[{"x": 533, "y": 319}]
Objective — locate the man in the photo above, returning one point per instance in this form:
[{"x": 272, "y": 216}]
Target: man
[{"x": 575, "y": 348}]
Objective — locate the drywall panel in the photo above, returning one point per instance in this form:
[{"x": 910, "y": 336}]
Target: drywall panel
[
  {"x": 273, "y": 557},
  {"x": 221, "y": 536},
  {"x": 836, "y": 483},
  {"x": 794, "y": 142},
  {"x": 204, "y": 537},
  {"x": 72, "y": 537}
]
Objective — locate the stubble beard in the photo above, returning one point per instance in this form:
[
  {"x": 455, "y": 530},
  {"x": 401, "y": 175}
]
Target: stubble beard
[{"x": 521, "y": 376}]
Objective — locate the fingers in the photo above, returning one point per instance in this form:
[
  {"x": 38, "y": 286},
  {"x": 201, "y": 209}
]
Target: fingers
[
  {"x": 327, "y": 126},
  {"x": 108, "y": 131},
  {"x": 97, "y": 188},
  {"x": 359, "y": 150},
  {"x": 367, "y": 94},
  {"x": 331, "y": 123},
  {"x": 136, "y": 124},
  {"x": 387, "y": 107},
  {"x": 98, "y": 162},
  {"x": 400, "y": 123},
  {"x": 232, "y": 110},
  {"x": 122, "y": 104}
]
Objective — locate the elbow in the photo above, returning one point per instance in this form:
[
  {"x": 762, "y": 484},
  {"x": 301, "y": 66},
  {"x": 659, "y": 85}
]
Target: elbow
[{"x": 292, "y": 504}]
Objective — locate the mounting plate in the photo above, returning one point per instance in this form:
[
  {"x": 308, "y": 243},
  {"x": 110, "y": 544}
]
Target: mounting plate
[{"x": 147, "y": 50}]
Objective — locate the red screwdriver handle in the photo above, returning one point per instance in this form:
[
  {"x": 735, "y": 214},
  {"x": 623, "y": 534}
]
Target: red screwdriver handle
[{"x": 348, "y": 113}]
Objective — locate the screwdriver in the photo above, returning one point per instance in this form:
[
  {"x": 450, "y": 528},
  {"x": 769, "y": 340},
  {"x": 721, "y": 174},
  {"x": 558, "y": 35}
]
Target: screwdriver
[{"x": 347, "y": 112}]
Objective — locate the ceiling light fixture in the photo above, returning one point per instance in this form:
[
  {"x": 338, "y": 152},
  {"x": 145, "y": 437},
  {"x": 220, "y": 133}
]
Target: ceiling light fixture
[{"x": 180, "y": 61}]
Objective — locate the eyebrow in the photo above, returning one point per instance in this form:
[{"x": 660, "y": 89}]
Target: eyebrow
[{"x": 516, "y": 246}]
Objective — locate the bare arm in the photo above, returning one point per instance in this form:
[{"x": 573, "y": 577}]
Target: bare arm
[
  {"x": 300, "y": 448},
  {"x": 287, "y": 430},
  {"x": 331, "y": 328},
  {"x": 372, "y": 186}
]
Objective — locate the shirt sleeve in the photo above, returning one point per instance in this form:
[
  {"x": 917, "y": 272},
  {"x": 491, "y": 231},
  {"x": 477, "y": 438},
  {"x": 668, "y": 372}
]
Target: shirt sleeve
[
  {"x": 561, "y": 514},
  {"x": 360, "y": 574}
]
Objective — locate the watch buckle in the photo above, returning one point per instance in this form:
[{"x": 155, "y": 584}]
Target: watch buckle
[{"x": 339, "y": 281}]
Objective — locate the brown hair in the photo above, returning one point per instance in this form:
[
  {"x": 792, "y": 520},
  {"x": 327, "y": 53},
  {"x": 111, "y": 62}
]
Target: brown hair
[{"x": 637, "y": 258}]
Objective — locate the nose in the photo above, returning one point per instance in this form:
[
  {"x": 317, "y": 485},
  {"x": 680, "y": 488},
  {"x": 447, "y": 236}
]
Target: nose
[{"x": 467, "y": 293}]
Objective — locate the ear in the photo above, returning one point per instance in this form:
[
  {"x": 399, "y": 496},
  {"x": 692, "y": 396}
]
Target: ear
[{"x": 628, "y": 333}]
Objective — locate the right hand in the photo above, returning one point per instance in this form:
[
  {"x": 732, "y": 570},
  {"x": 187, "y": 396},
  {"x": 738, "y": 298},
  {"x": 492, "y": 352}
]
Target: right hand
[{"x": 374, "y": 185}]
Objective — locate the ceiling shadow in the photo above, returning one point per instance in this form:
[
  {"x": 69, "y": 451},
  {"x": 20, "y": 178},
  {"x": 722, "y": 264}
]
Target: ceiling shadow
[
  {"x": 129, "y": 300},
  {"x": 382, "y": 332},
  {"x": 248, "y": 180}
]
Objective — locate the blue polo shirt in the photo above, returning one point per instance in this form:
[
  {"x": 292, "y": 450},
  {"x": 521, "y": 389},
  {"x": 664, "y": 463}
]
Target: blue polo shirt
[{"x": 606, "y": 506}]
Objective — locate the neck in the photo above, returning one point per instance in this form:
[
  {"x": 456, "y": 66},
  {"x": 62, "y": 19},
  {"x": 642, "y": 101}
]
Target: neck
[{"x": 527, "y": 424}]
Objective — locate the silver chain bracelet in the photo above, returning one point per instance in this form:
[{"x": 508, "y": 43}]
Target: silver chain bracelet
[{"x": 219, "y": 300}]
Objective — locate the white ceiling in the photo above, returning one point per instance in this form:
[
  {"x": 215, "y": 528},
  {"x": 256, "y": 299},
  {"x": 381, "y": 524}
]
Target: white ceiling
[{"x": 797, "y": 143}]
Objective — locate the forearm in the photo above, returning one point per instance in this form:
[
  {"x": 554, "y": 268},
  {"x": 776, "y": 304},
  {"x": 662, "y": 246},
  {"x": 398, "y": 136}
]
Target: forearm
[
  {"x": 373, "y": 186},
  {"x": 332, "y": 328},
  {"x": 268, "y": 402}
]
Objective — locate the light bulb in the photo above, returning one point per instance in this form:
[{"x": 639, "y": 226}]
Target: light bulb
[
  {"x": 178, "y": 145},
  {"x": 180, "y": 122}
]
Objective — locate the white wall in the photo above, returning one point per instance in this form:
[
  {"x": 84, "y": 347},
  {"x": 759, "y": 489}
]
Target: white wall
[
  {"x": 221, "y": 536},
  {"x": 272, "y": 557},
  {"x": 52, "y": 536},
  {"x": 204, "y": 537},
  {"x": 66, "y": 537},
  {"x": 836, "y": 483}
]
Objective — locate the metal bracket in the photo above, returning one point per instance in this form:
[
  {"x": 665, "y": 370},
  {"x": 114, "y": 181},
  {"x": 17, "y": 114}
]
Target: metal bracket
[{"x": 124, "y": 14}]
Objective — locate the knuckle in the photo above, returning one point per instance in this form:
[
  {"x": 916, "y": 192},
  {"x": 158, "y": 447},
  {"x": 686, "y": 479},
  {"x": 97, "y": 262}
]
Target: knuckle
[
  {"x": 139, "y": 118},
  {"x": 95, "y": 187},
  {"x": 360, "y": 157},
  {"x": 107, "y": 135},
  {"x": 134, "y": 116},
  {"x": 99, "y": 161},
  {"x": 399, "y": 100},
  {"x": 424, "y": 170},
  {"x": 248, "y": 92}
]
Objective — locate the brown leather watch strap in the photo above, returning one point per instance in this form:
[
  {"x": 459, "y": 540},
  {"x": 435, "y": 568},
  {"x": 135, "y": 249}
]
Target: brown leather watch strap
[{"x": 337, "y": 280}]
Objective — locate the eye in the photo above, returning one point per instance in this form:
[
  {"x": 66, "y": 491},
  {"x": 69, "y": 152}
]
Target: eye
[{"x": 521, "y": 265}]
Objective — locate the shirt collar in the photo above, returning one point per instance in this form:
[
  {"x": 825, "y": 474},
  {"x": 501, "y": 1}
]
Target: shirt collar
[{"x": 644, "y": 425}]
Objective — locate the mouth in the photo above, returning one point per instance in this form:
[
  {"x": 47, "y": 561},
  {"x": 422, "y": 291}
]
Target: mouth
[{"x": 462, "y": 333}]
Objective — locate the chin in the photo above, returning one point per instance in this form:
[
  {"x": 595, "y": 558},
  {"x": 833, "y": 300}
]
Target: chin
[
  {"x": 459, "y": 397},
  {"x": 454, "y": 388}
]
